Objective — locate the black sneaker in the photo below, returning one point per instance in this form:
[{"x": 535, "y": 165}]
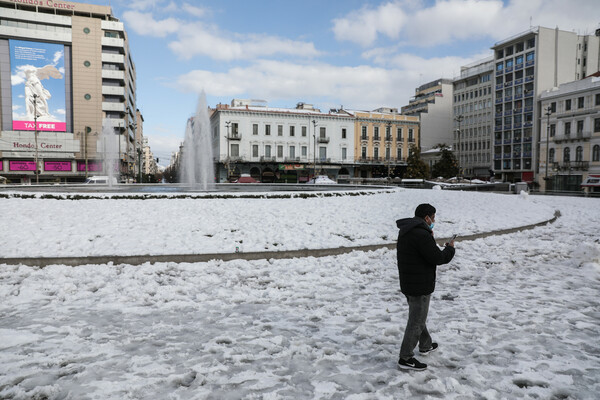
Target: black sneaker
[
  {"x": 412, "y": 363},
  {"x": 434, "y": 347}
]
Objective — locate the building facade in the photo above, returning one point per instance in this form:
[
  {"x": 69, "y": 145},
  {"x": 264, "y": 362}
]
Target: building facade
[
  {"x": 66, "y": 76},
  {"x": 281, "y": 144},
  {"x": 432, "y": 103},
  {"x": 570, "y": 135},
  {"x": 382, "y": 140},
  {"x": 526, "y": 65},
  {"x": 473, "y": 119}
]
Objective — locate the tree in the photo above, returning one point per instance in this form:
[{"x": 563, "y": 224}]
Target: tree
[
  {"x": 447, "y": 165},
  {"x": 416, "y": 169}
]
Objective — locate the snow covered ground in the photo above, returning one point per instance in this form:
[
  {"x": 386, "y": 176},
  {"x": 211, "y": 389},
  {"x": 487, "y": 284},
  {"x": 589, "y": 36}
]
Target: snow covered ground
[{"x": 516, "y": 315}]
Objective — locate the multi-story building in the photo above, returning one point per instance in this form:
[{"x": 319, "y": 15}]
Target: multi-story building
[
  {"x": 66, "y": 75},
  {"x": 570, "y": 135},
  {"x": 382, "y": 142},
  {"x": 139, "y": 144},
  {"x": 526, "y": 65},
  {"x": 281, "y": 144},
  {"x": 432, "y": 103},
  {"x": 472, "y": 111},
  {"x": 149, "y": 162}
]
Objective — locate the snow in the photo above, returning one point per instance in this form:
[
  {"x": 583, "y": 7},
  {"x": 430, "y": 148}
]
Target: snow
[{"x": 516, "y": 315}]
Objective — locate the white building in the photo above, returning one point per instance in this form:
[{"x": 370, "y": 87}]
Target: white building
[
  {"x": 570, "y": 135},
  {"x": 473, "y": 118},
  {"x": 281, "y": 144},
  {"x": 433, "y": 104}
]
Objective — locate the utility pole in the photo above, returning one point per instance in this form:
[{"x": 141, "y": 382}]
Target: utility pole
[
  {"x": 37, "y": 173},
  {"x": 548, "y": 113},
  {"x": 227, "y": 161},
  {"x": 314, "y": 147},
  {"x": 459, "y": 119}
]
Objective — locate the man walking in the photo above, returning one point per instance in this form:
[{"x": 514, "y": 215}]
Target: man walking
[{"x": 418, "y": 258}]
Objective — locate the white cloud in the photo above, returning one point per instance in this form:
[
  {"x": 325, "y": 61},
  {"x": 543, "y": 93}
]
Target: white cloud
[
  {"x": 197, "y": 39},
  {"x": 449, "y": 20},
  {"x": 61, "y": 111},
  {"x": 363, "y": 87},
  {"x": 145, "y": 24},
  {"x": 193, "y": 10}
]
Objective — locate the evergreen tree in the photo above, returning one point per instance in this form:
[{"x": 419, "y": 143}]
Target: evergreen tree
[
  {"x": 417, "y": 169},
  {"x": 447, "y": 165}
]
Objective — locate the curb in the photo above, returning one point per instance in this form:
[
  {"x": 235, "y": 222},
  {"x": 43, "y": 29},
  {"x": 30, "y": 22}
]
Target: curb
[{"x": 258, "y": 255}]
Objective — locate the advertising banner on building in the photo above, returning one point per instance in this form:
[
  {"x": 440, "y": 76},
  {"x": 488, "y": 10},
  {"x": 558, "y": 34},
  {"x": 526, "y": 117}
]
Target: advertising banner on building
[
  {"x": 38, "y": 85},
  {"x": 21, "y": 165},
  {"x": 57, "y": 166}
]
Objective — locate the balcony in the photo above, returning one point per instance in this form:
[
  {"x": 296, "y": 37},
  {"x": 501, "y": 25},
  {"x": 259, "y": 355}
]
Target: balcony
[
  {"x": 572, "y": 166},
  {"x": 516, "y": 155},
  {"x": 530, "y": 63},
  {"x": 497, "y": 156},
  {"x": 376, "y": 138},
  {"x": 509, "y": 83},
  {"x": 527, "y": 124},
  {"x": 529, "y": 109},
  {"x": 389, "y": 138},
  {"x": 507, "y": 141},
  {"x": 584, "y": 135},
  {"x": 292, "y": 159},
  {"x": 268, "y": 159},
  {"x": 497, "y": 142},
  {"x": 506, "y": 155},
  {"x": 517, "y": 125},
  {"x": 518, "y": 81},
  {"x": 508, "y": 112},
  {"x": 411, "y": 140},
  {"x": 399, "y": 139},
  {"x": 364, "y": 137},
  {"x": 499, "y": 86},
  {"x": 526, "y": 154},
  {"x": 509, "y": 69},
  {"x": 518, "y": 96},
  {"x": 508, "y": 98},
  {"x": 518, "y": 110},
  {"x": 529, "y": 78},
  {"x": 323, "y": 139},
  {"x": 508, "y": 126},
  {"x": 518, "y": 67},
  {"x": 517, "y": 140},
  {"x": 234, "y": 136},
  {"x": 499, "y": 100}
]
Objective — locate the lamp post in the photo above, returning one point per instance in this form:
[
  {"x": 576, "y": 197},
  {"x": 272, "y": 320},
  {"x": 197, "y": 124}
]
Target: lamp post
[
  {"x": 459, "y": 119},
  {"x": 35, "y": 116},
  {"x": 388, "y": 151},
  {"x": 227, "y": 124},
  {"x": 548, "y": 113},
  {"x": 314, "y": 146}
]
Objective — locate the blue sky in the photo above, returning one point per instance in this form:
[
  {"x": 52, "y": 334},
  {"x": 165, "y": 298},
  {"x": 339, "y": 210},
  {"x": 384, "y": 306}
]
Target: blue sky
[{"x": 359, "y": 54}]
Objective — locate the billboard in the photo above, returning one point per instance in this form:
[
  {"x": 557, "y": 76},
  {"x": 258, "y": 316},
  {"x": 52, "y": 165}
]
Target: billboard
[{"x": 38, "y": 85}]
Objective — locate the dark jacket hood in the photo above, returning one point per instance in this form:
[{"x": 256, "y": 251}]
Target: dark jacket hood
[{"x": 405, "y": 225}]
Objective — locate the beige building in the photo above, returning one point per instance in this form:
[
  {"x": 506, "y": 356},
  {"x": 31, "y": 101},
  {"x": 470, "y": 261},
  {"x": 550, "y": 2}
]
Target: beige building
[
  {"x": 382, "y": 140},
  {"x": 72, "y": 77},
  {"x": 570, "y": 135}
]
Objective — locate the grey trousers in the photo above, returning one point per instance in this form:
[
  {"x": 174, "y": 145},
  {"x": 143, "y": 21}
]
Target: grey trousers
[{"x": 416, "y": 327}]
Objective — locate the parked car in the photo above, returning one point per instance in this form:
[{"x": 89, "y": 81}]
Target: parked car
[
  {"x": 100, "y": 180},
  {"x": 321, "y": 180},
  {"x": 245, "y": 178}
]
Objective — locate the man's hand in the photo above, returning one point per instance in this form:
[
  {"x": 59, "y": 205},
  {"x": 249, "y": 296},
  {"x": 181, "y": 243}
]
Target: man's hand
[{"x": 450, "y": 243}]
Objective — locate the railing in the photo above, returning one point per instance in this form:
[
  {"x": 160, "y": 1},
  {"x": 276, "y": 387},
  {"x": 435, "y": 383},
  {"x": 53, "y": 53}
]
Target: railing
[
  {"x": 411, "y": 140},
  {"x": 584, "y": 135},
  {"x": 572, "y": 165},
  {"x": 323, "y": 139},
  {"x": 234, "y": 136},
  {"x": 364, "y": 137},
  {"x": 292, "y": 159},
  {"x": 267, "y": 159},
  {"x": 376, "y": 137},
  {"x": 389, "y": 138}
]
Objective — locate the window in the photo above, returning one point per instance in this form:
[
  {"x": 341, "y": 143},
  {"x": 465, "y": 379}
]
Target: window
[
  {"x": 376, "y": 153},
  {"x": 323, "y": 153},
  {"x": 254, "y": 150},
  {"x": 292, "y": 151},
  {"x": 597, "y": 99},
  {"x": 363, "y": 153},
  {"x": 579, "y": 154},
  {"x": 268, "y": 150},
  {"x": 596, "y": 153},
  {"x": 279, "y": 130},
  {"x": 322, "y": 132},
  {"x": 279, "y": 151},
  {"x": 596, "y": 124},
  {"x": 567, "y": 105},
  {"x": 553, "y": 107},
  {"x": 567, "y": 128},
  {"x": 399, "y": 153},
  {"x": 519, "y": 47},
  {"x": 530, "y": 56},
  {"x": 399, "y": 134},
  {"x": 388, "y": 153},
  {"x": 567, "y": 155},
  {"x": 580, "y": 126},
  {"x": 343, "y": 153},
  {"x": 580, "y": 102},
  {"x": 235, "y": 150},
  {"x": 530, "y": 43},
  {"x": 551, "y": 156},
  {"x": 375, "y": 133},
  {"x": 410, "y": 135},
  {"x": 519, "y": 60},
  {"x": 343, "y": 133},
  {"x": 552, "y": 130},
  {"x": 303, "y": 131},
  {"x": 509, "y": 63},
  {"x": 364, "y": 135},
  {"x": 268, "y": 130},
  {"x": 499, "y": 67},
  {"x": 255, "y": 129},
  {"x": 292, "y": 130},
  {"x": 304, "y": 151}
]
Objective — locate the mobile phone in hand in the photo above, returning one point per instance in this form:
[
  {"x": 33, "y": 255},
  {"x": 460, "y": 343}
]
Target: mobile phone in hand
[{"x": 454, "y": 237}]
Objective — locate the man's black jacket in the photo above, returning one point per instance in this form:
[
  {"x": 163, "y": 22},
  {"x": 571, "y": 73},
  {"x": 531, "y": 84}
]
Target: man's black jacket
[{"x": 418, "y": 256}]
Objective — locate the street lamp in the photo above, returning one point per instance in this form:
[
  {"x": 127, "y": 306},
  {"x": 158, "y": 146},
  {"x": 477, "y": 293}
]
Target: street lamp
[
  {"x": 35, "y": 116},
  {"x": 388, "y": 155},
  {"x": 228, "y": 124},
  {"x": 314, "y": 147},
  {"x": 548, "y": 113},
  {"x": 459, "y": 119}
]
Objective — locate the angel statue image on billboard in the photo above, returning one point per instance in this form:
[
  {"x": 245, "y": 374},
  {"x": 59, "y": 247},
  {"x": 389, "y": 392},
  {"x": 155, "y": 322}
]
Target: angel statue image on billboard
[
  {"x": 36, "y": 96},
  {"x": 39, "y": 104}
]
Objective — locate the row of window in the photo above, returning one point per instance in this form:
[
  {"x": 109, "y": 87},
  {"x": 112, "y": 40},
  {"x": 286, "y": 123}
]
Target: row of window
[
  {"x": 569, "y": 104},
  {"x": 474, "y": 146},
  {"x": 516, "y": 77},
  {"x": 473, "y": 94},
  {"x": 578, "y": 154},
  {"x": 568, "y": 127},
  {"x": 32, "y": 25},
  {"x": 267, "y": 151},
  {"x": 388, "y": 153},
  {"x": 474, "y": 158},
  {"x": 508, "y": 64},
  {"x": 473, "y": 107},
  {"x": 388, "y": 133},
  {"x": 516, "y": 164},
  {"x": 516, "y": 48}
]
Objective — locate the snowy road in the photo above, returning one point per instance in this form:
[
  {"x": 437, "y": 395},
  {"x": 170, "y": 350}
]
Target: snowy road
[{"x": 516, "y": 317}]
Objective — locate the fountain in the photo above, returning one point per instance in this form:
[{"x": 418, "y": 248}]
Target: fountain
[
  {"x": 197, "y": 169},
  {"x": 110, "y": 153}
]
